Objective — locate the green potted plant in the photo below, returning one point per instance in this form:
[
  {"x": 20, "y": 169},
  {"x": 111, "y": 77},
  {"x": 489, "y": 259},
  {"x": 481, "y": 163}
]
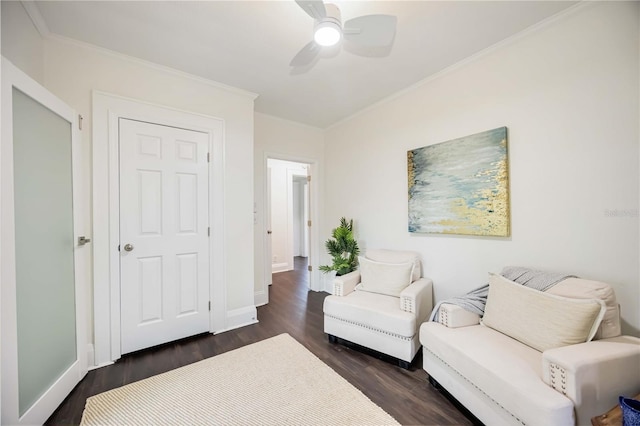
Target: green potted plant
[{"x": 343, "y": 249}]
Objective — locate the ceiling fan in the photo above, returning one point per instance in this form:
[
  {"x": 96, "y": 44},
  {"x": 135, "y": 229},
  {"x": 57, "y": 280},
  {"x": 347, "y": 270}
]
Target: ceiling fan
[{"x": 368, "y": 35}]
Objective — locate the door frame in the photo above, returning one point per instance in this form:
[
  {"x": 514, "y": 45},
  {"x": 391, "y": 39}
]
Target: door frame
[
  {"x": 48, "y": 402},
  {"x": 107, "y": 110},
  {"x": 291, "y": 175},
  {"x": 314, "y": 217},
  {"x": 304, "y": 212}
]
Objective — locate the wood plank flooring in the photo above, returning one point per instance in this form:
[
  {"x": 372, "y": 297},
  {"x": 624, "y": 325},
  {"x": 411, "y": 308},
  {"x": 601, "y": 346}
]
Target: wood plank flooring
[{"x": 404, "y": 394}]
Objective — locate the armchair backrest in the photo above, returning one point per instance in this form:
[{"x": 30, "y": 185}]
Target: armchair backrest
[
  {"x": 579, "y": 288},
  {"x": 397, "y": 256}
]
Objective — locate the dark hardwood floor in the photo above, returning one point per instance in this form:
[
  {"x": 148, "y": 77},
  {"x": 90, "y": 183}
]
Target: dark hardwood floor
[{"x": 404, "y": 394}]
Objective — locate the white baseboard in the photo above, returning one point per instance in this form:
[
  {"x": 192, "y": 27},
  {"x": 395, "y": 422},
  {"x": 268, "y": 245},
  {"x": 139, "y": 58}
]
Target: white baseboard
[
  {"x": 260, "y": 298},
  {"x": 104, "y": 364},
  {"x": 241, "y": 317},
  {"x": 280, "y": 267}
]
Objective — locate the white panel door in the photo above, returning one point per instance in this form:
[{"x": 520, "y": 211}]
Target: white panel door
[{"x": 164, "y": 247}]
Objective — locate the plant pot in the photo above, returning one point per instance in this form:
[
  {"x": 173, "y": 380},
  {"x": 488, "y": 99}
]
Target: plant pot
[
  {"x": 630, "y": 411},
  {"x": 328, "y": 281}
]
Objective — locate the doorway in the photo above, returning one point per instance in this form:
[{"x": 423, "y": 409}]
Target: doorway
[
  {"x": 288, "y": 215},
  {"x": 108, "y": 111}
]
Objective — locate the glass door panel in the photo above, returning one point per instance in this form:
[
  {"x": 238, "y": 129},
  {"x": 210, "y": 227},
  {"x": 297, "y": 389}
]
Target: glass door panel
[{"x": 45, "y": 288}]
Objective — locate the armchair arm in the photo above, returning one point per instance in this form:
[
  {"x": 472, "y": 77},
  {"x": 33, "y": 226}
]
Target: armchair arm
[
  {"x": 594, "y": 374},
  {"x": 454, "y": 316},
  {"x": 417, "y": 298},
  {"x": 345, "y": 284}
]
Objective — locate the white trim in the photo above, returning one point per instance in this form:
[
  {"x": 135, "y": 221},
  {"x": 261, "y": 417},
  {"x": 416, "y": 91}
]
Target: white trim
[
  {"x": 47, "y": 403},
  {"x": 240, "y": 317},
  {"x": 315, "y": 171},
  {"x": 291, "y": 176},
  {"x": 90, "y": 355},
  {"x": 289, "y": 122},
  {"x": 289, "y": 238},
  {"x": 470, "y": 59},
  {"x": 280, "y": 267},
  {"x": 260, "y": 298},
  {"x": 107, "y": 109},
  {"x": 105, "y": 364},
  {"x": 148, "y": 64}
]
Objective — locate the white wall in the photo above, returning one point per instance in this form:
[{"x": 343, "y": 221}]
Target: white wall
[
  {"x": 21, "y": 42},
  {"x": 72, "y": 70},
  {"x": 568, "y": 93},
  {"x": 277, "y": 138}
]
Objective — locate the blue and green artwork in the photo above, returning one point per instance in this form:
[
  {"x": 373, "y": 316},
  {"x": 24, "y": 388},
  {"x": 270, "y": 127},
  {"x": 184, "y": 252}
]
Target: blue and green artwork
[{"x": 461, "y": 186}]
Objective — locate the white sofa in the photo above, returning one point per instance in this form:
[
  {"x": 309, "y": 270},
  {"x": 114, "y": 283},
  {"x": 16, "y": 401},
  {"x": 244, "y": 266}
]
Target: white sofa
[
  {"x": 505, "y": 382},
  {"x": 385, "y": 323}
]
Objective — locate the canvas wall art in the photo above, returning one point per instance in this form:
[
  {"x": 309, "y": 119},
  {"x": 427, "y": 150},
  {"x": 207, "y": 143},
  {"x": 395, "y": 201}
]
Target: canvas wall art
[{"x": 461, "y": 186}]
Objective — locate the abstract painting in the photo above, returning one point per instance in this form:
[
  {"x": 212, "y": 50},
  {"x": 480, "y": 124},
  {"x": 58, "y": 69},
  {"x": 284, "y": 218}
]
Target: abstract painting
[{"x": 461, "y": 186}]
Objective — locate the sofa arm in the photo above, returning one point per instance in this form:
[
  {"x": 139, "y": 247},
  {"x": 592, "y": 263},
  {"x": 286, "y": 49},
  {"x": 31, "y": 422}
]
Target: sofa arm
[
  {"x": 594, "y": 374},
  {"x": 417, "y": 298},
  {"x": 345, "y": 284},
  {"x": 454, "y": 316}
]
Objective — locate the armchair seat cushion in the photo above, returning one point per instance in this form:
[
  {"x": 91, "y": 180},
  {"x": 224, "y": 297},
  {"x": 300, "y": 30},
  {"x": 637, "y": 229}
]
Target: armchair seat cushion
[
  {"x": 503, "y": 368},
  {"x": 377, "y": 311}
]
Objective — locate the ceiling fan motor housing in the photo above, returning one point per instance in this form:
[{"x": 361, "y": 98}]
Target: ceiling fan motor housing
[{"x": 332, "y": 18}]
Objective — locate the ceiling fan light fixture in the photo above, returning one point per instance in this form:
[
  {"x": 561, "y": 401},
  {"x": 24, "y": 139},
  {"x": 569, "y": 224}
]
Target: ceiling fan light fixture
[{"x": 327, "y": 33}]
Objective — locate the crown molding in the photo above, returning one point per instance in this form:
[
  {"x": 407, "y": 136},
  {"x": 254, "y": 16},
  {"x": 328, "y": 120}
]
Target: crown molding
[
  {"x": 38, "y": 21},
  {"x": 571, "y": 10}
]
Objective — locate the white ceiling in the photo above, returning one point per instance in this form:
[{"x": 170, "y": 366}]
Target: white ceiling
[{"x": 249, "y": 44}]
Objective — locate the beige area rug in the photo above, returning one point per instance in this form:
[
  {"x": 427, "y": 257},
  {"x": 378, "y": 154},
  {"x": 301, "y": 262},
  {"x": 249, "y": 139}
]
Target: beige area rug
[{"x": 273, "y": 382}]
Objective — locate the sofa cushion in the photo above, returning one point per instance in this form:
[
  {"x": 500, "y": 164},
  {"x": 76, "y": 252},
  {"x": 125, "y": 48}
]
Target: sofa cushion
[
  {"x": 504, "y": 369},
  {"x": 579, "y": 288},
  {"x": 397, "y": 256},
  {"x": 372, "y": 310},
  {"x": 384, "y": 278},
  {"x": 538, "y": 319}
]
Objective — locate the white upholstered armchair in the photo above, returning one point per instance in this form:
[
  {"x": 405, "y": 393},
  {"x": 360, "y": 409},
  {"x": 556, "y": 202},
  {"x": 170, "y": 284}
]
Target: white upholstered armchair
[{"x": 381, "y": 305}]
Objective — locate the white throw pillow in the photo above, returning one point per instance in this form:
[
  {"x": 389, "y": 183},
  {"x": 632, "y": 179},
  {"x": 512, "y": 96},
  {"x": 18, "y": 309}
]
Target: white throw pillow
[
  {"x": 384, "y": 278},
  {"x": 538, "y": 319},
  {"x": 578, "y": 288}
]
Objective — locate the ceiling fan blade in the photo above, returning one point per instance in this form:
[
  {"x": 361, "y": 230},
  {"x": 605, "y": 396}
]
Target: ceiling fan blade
[
  {"x": 306, "y": 55},
  {"x": 371, "y": 30},
  {"x": 314, "y": 8},
  {"x": 367, "y": 51}
]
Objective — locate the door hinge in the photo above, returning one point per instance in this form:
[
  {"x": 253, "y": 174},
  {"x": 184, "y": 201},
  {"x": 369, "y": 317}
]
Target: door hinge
[
  {"x": 208, "y": 157},
  {"x": 308, "y": 178},
  {"x": 208, "y": 231},
  {"x": 80, "y": 118},
  {"x": 309, "y": 268},
  {"x": 209, "y": 304},
  {"x": 309, "y": 223}
]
